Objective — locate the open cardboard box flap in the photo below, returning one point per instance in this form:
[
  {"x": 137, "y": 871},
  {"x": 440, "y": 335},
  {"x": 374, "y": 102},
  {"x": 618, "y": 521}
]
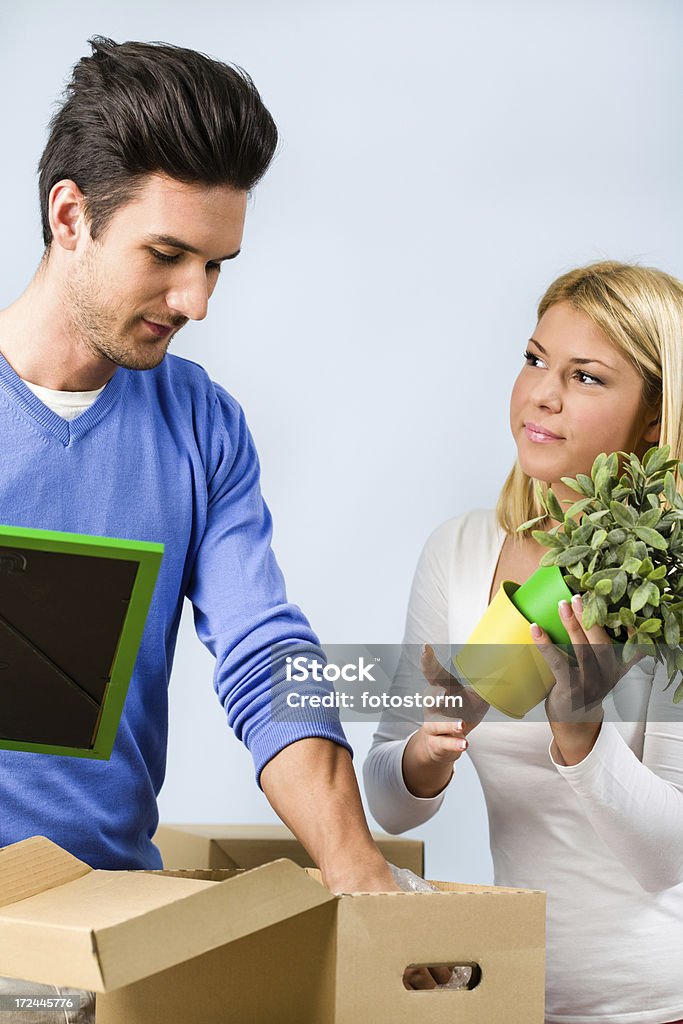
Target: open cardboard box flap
[
  {"x": 245, "y": 846},
  {"x": 63, "y": 923}
]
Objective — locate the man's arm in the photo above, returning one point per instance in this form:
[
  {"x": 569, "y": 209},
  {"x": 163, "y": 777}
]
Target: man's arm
[{"x": 311, "y": 785}]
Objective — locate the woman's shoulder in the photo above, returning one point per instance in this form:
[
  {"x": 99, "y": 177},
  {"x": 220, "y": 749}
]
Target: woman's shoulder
[{"x": 476, "y": 530}]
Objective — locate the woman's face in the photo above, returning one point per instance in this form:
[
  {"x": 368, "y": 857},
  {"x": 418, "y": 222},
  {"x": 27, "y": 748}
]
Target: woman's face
[{"x": 576, "y": 396}]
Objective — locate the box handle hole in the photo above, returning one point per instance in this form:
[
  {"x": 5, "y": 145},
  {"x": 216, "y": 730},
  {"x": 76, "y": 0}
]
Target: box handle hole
[{"x": 442, "y": 977}]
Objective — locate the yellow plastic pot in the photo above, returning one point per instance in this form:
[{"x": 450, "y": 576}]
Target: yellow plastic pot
[{"x": 500, "y": 660}]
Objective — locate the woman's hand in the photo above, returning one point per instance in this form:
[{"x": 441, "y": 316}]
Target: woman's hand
[
  {"x": 431, "y": 752},
  {"x": 574, "y": 705}
]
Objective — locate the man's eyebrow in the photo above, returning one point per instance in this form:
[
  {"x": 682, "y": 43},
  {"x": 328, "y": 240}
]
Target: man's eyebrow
[
  {"x": 579, "y": 362},
  {"x": 175, "y": 243}
]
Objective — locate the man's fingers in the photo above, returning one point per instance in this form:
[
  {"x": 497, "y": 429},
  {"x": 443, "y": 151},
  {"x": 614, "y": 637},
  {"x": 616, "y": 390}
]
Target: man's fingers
[
  {"x": 418, "y": 978},
  {"x": 426, "y": 977}
]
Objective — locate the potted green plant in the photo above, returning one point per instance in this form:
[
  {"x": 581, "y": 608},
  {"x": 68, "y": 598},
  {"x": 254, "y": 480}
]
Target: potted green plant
[{"x": 620, "y": 546}]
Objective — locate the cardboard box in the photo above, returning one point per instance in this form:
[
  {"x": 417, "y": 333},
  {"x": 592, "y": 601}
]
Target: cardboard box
[
  {"x": 245, "y": 846},
  {"x": 229, "y": 946}
]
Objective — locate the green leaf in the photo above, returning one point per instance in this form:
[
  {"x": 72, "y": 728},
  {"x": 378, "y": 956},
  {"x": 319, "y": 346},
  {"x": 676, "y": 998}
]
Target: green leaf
[
  {"x": 650, "y": 626},
  {"x": 670, "y": 488},
  {"x": 651, "y": 517},
  {"x": 540, "y": 497},
  {"x": 612, "y": 464},
  {"x": 630, "y": 648},
  {"x": 590, "y": 612},
  {"x": 672, "y": 631},
  {"x": 548, "y": 540},
  {"x": 655, "y": 458},
  {"x": 653, "y": 596},
  {"x": 631, "y": 565},
  {"x": 573, "y": 554},
  {"x": 603, "y": 587},
  {"x": 623, "y": 514},
  {"x": 549, "y": 558},
  {"x": 678, "y": 695},
  {"x": 529, "y": 522},
  {"x": 645, "y": 644},
  {"x": 554, "y": 507},
  {"x": 599, "y": 462},
  {"x": 619, "y": 584},
  {"x": 577, "y": 570},
  {"x": 573, "y": 484},
  {"x": 603, "y": 483},
  {"x": 627, "y": 617},
  {"x": 616, "y": 536},
  {"x": 640, "y": 596},
  {"x": 598, "y": 539},
  {"x": 657, "y": 574},
  {"x": 579, "y": 506},
  {"x": 586, "y": 484},
  {"x": 650, "y": 537}
]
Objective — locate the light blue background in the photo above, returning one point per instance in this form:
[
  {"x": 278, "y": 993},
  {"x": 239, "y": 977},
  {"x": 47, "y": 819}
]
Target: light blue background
[{"x": 440, "y": 163}]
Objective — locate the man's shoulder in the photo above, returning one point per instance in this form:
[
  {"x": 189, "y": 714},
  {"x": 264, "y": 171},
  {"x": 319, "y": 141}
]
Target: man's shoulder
[{"x": 190, "y": 382}]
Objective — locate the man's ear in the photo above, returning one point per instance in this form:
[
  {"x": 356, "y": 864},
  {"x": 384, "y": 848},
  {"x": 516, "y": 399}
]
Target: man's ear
[{"x": 66, "y": 207}]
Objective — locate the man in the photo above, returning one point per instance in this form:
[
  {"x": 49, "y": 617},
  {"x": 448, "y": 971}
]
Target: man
[{"x": 143, "y": 189}]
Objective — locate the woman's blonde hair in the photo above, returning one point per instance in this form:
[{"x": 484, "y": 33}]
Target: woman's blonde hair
[{"x": 640, "y": 309}]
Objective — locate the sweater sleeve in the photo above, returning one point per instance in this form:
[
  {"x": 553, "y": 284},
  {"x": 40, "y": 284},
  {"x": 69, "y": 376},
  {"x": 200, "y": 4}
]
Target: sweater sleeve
[
  {"x": 391, "y": 803},
  {"x": 634, "y": 805},
  {"x": 241, "y": 610}
]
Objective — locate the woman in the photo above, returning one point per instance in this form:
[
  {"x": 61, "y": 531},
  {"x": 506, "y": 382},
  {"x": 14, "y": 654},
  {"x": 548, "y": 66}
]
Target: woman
[{"x": 591, "y": 810}]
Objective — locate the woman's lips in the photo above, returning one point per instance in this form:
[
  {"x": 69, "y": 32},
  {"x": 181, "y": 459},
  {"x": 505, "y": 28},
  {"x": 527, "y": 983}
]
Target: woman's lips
[{"x": 537, "y": 434}]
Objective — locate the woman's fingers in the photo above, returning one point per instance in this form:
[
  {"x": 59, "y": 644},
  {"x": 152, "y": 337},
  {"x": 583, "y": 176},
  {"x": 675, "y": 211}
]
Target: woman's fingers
[
  {"x": 444, "y": 741},
  {"x": 471, "y": 707},
  {"x": 433, "y": 670}
]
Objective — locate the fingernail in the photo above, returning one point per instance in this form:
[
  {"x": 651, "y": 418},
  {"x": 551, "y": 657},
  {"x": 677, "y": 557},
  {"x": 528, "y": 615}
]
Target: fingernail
[
  {"x": 461, "y": 744},
  {"x": 536, "y": 631},
  {"x": 565, "y": 609},
  {"x": 577, "y": 603},
  {"x": 424, "y": 648},
  {"x": 457, "y": 724}
]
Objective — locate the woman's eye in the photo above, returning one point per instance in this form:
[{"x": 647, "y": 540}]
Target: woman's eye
[
  {"x": 588, "y": 379},
  {"x": 214, "y": 266},
  {"x": 163, "y": 257},
  {"x": 531, "y": 359}
]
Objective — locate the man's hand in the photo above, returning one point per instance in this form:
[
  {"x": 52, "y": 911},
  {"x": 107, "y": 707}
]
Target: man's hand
[{"x": 312, "y": 787}]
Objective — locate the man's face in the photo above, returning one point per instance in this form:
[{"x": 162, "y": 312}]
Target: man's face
[{"x": 153, "y": 268}]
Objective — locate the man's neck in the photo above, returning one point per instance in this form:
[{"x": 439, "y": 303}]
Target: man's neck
[{"x": 38, "y": 343}]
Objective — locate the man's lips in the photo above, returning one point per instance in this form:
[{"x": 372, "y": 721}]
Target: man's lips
[
  {"x": 160, "y": 330},
  {"x": 539, "y": 434}
]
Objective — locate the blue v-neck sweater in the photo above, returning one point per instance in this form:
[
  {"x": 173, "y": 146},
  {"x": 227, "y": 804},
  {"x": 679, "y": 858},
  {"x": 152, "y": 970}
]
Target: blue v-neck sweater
[{"x": 162, "y": 455}]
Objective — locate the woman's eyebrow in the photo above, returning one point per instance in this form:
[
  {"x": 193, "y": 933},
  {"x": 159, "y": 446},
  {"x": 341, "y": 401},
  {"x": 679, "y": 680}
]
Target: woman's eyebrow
[{"x": 579, "y": 362}]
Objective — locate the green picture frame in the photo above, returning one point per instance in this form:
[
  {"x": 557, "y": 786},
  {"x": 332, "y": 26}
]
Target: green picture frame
[{"x": 73, "y": 609}]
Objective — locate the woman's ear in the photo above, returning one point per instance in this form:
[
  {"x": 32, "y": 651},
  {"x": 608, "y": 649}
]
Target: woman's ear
[{"x": 653, "y": 429}]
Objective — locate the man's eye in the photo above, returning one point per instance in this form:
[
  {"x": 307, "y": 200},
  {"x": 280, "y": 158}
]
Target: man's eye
[{"x": 163, "y": 257}]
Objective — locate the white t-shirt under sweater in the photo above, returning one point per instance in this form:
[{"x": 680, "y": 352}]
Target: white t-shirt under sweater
[
  {"x": 604, "y": 838},
  {"x": 68, "y": 404}
]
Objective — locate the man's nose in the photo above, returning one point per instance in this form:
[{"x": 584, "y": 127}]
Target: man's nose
[{"x": 190, "y": 297}]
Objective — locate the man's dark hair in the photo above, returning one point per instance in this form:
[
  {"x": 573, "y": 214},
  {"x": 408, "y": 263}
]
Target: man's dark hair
[{"x": 133, "y": 109}]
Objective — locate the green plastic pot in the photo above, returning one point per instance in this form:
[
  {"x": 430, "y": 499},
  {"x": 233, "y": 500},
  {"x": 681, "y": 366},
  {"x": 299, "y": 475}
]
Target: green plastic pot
[{"x": 500, "y": 660}]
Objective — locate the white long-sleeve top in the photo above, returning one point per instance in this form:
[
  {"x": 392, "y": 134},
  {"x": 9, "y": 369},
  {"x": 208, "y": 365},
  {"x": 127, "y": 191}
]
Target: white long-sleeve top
[{"x": 604, "y": 838}]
